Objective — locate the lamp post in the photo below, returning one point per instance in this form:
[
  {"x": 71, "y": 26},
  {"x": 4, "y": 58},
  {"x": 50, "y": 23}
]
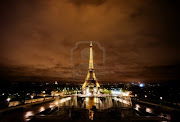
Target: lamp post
[
  {"x": 8, "y": 99},
  {"x": 31, "y": 98},
  {"x": 161, "y": 102},
  {"x": 44, "y": 96}
]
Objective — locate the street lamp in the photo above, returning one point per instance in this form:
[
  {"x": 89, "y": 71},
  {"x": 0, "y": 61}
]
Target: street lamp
[
  {"x": 32, "y": 98},
  {"x": 44, "y": 96},
  {"x": 145, "y": 96},
  {"x": 161, "y": 103},
  {"x": 8, "y": 99}
]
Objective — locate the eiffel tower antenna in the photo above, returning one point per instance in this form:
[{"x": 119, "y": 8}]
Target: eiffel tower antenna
[{"x": 91, "y": 57}]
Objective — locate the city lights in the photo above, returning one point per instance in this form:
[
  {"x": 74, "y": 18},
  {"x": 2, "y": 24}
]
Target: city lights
[
  {"x": 123, "y": 100},
  {"x": 56, "y": 103},
  {"x": 141, "y": 85},
  {"x": 114, "y": 92},
  {"x": 64, "y": 99}
]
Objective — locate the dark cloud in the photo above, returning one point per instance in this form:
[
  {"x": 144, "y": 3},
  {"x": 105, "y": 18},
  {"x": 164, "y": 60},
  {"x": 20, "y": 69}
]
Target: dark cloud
[
  {"x": 139, "y": 37},
  {"x": 87, "y": 2}
]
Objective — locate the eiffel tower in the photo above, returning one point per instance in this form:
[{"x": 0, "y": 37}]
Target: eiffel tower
[{"x": 91, "y": 84}]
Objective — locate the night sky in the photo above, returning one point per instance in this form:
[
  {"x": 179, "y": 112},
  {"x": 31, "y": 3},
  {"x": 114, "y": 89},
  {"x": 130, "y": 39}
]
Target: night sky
[{"x": 140, "y": 39}]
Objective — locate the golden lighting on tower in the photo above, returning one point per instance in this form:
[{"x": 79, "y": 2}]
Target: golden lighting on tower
[{"x": 91, "y": 82}]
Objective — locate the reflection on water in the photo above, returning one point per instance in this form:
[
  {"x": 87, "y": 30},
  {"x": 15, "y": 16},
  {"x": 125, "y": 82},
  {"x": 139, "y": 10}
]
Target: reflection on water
[{"x": 92, "y": 101}]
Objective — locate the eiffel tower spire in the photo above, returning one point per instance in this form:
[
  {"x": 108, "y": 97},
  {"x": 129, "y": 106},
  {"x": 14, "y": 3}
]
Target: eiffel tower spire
[
  {"x": 91, "y": 84},
  {"x": 91, "y": 57}
]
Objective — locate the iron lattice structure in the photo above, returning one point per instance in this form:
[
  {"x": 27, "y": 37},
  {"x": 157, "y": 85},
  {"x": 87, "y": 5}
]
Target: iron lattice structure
[{"x": 91, "y": 83}]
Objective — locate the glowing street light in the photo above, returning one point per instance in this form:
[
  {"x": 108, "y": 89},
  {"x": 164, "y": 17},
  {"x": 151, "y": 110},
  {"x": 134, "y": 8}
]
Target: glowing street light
[
  {"x": 141, "y": 85},
  {"x": 32, "y": 96},
  {"x": 145, "y": 96},
  {"x": 41, "y": 109},
  {"x": 28, "y": 114},
  {"x": 161, "y": 103},
  {"x": 8, "y": 99},
  {"x": 44, "y": 96}
]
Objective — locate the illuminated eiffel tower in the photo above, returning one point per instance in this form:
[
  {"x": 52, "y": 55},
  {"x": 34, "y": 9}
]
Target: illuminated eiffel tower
[{"x": 91, "y": 84}]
